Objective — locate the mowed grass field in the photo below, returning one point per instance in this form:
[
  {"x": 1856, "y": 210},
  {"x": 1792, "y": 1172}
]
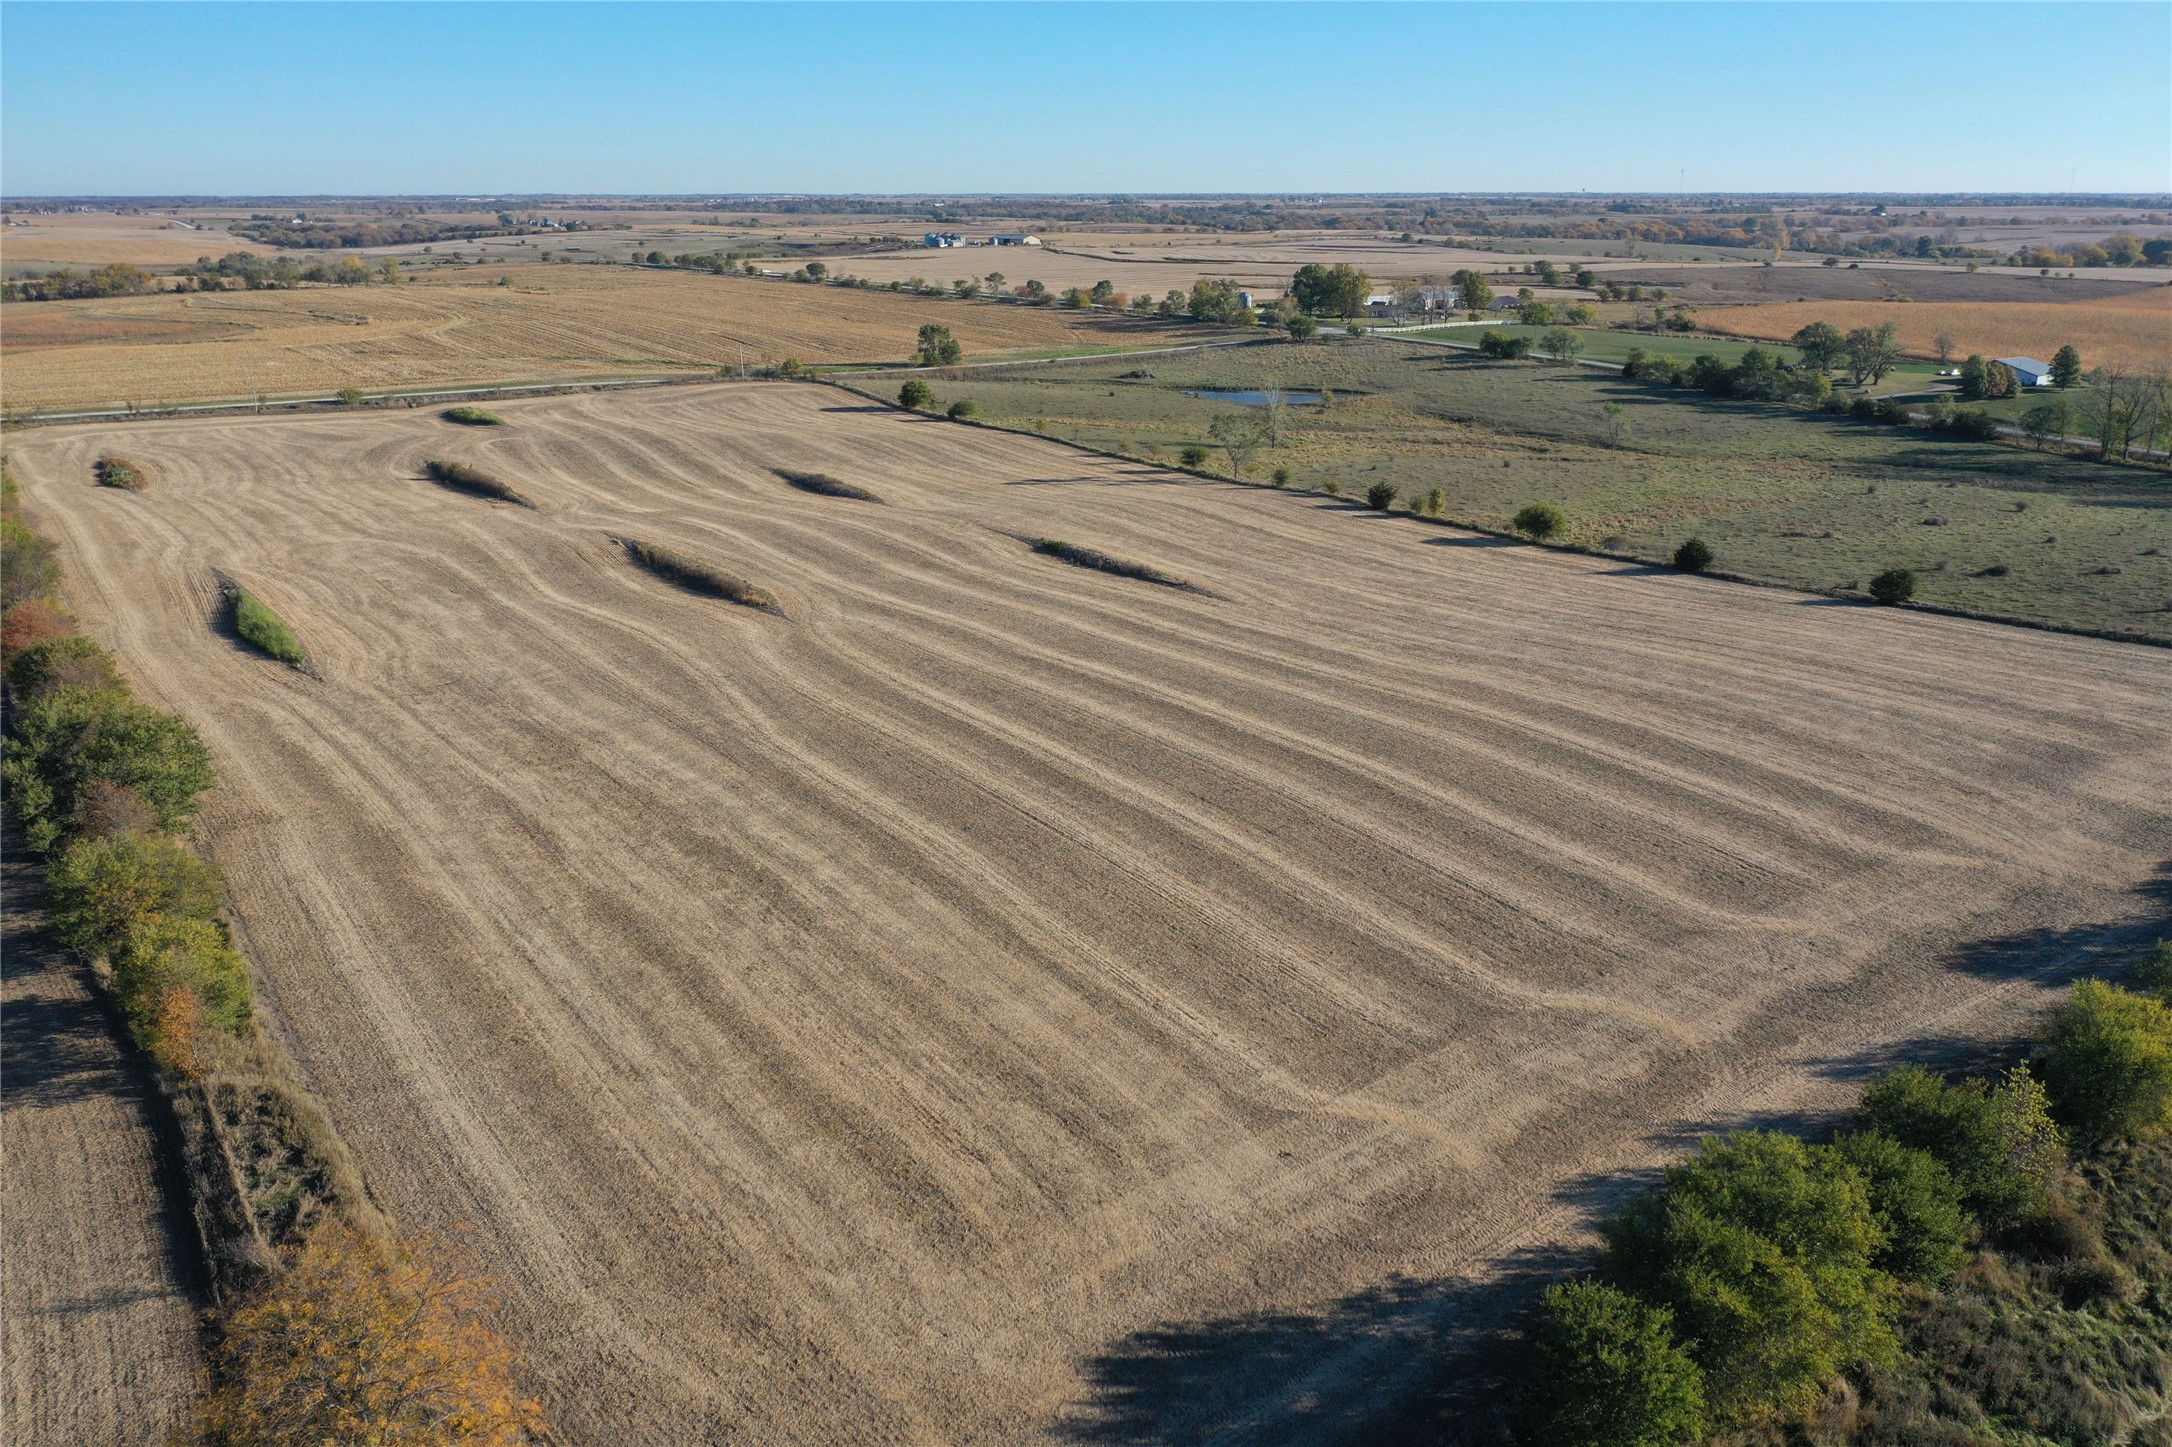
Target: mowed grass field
[
  {"x": 552, "y": 323},
  {"x": 2132, "y": 329},
  {"x": 995, "y": 1001},
  {"x": 1785, "y": 496}
]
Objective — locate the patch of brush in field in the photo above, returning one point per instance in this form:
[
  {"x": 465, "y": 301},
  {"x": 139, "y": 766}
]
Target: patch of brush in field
[
  {"x": 120, "y": 472},
  {"x": 1080, "y": 557},
  {"x": 473, "y": 481},
  {"x": 698, "y": 577},
  {"x": 472, "y": 417},
  {"x": 823, "y": 483},
  {"x": 263, "y": 629}
]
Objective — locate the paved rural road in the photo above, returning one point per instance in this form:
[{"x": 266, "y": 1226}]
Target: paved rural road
[{"x": 96, "y": 1292}]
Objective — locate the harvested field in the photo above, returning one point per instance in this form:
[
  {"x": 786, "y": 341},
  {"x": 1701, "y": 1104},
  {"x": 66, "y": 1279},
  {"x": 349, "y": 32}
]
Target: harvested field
[
  {"x": 1735, "y": 282},
  {"x": 96, "y": 1283},
  {"x": 554, "y": 323},
  {"x": 2133, "y": 328},
  {"x": 91, "y": 240},
  {"x": 1010, "y": 1003}
]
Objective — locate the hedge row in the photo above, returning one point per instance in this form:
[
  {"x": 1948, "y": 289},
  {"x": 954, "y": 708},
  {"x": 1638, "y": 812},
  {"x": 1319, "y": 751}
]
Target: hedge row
[{"x": 329, "y": 1328}]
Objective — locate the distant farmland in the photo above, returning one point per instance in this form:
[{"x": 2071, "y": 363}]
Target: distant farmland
[
  {"x": 553, "y": 323},
  {"x": 2131, "y": 329},
  {"x": 994, "y": 1001},
  {"x": 1786, "y": 496}
]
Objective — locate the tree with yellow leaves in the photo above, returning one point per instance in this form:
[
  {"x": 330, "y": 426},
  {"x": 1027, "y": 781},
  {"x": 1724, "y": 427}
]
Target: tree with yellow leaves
[{"x": 357, "y": 1342}]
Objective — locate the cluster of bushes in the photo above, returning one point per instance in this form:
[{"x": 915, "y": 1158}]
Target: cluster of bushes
[
  {"x": 1758, "y": 375},
  {"x": 350, "y": 231},
  {"x": 2122, "y": 249},
  {"x": 823, "y": 483},
  {"x": 270, "y": 273},
  {"x": 460, "y": 477},
  {"x": 1102, "y": 562},
  {"x": 1767, "y": 1277},
  {"x": 119, "y": 279},
  {"x": 330, "y": 1328},
  {"x": 699, "y": 577},
  {"x": 472, "y": 417},
  {"x": 121, "y": 473},
  {"x": 918, "y": 396},
  {"x": 263, "y": 629}
]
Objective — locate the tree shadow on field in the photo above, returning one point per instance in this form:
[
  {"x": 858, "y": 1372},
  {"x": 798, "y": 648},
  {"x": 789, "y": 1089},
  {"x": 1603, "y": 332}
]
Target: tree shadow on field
[
  {"x": 1410, "y": 1361},
  {"x": 1474, "y": 540},
  {"x": 2052, "y": 956}
]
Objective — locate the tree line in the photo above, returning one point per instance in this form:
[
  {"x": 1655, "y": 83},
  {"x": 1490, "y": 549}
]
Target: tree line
[{"x": 330, "y": 1327}]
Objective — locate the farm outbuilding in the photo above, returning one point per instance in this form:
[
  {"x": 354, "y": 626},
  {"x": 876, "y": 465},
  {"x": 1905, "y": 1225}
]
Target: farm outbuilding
[
  {"x": 2028, "y": 371},
  {"x": 1014, "y": 238}
]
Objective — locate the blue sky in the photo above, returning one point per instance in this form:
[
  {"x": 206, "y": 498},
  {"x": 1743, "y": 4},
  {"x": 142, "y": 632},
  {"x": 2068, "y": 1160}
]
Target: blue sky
[{"x": 426, "y": 99}]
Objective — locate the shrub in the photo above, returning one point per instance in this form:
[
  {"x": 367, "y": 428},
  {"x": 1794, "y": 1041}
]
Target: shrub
[
  {"x": 166, "y": 955},
  {"x": 1762, "y": 1247},
  {"x": 31, "y": 622},
  {"x": 1331, "y": 487},
  {"x": 1193, "y": 457},
  {"x": 699, "y": 577},
  {"x": 1973, "y": 424},
  {"x": 1606, "y": 1371},
  {"x": 355, "y": 1342},
  {"x": 2108, "y": 1064},
  {"x": 1693, "y": 556},
  {"x": 823, "y": 483},
  {"x": 472, "y": 417},
  {"x": 961, "y": 409},
  {"x": 101, "y": 891},
  {"x": 1282, "y": 474},
  {"x": 265, "y": 630},
  {"x": 1893, "y": 586},
  {"x": 1089, "y": 558},
  {"x": 27, "y": 566},
  {"x": 350, "y": 397},
  {"x": 474, "y": 481},
  {"x": 2156, "y": 971},
  {"x": 105, "y": 810},
  {"x": 68, "y": 661},
  {"x": 1541, "y": 520},
  {"x": 75, "y": 735},
  {"x": 1381, "y": 495},
  {"x": 1999, "y": 1143},
  {"x": 915, "y": 394},
  {"x": 1863, "y": 409},
  {"x": 1503, "y": 346},
  {"x": 1434, "y": 503},
  {"x": 120, "y": 472},
  {"x": 1916, "y": 1204}
]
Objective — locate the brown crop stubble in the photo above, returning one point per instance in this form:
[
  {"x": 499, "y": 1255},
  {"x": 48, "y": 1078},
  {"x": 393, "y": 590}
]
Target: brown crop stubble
[
  {"x": 554, "y": 323},
  {"x": 880, "y": 1028}
]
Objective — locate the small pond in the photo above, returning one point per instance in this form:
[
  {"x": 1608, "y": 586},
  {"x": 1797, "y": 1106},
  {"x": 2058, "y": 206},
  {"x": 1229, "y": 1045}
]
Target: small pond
[{"x": 1256, "y": 399}]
